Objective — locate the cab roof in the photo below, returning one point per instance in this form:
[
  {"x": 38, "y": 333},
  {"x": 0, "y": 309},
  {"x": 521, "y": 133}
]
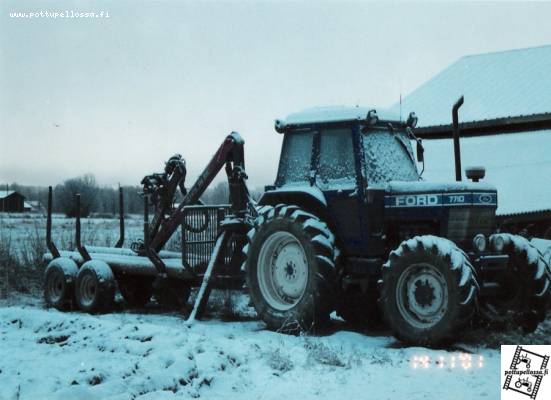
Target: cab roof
[{"x": 331, "y": 114}]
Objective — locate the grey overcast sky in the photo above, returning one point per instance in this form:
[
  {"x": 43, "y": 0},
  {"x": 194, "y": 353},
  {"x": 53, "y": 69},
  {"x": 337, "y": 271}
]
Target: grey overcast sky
[{"x": 117, "y": 96}]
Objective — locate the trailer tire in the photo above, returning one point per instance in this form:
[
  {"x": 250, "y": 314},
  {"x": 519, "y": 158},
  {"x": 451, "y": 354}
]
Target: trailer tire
[
  {"x": 428, "y": 291},
  {"x": 136, "y": 290},
  {"x": 95, "y": 287},
  {"x": 300, "y": 247},
  {"x": 526, "y": 286},
  {"x": 59, "y": 279},
  {"x": 173, "y": 295}
]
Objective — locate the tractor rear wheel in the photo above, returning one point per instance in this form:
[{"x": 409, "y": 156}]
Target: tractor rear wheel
[
  {"x": 428, "y": 290},
  {"x": 525, "y": 286},
  {"x": 59, "y": 280},
  {"x": 290, "y": 269},
  {"x": 95, "y": 287}
]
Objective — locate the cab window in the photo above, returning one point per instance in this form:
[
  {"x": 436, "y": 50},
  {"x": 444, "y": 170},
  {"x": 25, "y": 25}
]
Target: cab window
[
  {"x": 336, "y": 158},
  {"x": 294, "y": 166}
]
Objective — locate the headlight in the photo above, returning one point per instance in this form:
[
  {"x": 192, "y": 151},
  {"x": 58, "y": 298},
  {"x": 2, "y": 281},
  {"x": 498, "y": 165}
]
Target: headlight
[
  {"x": 498, "y": 243},
  {"x": 479, "y": 242}
]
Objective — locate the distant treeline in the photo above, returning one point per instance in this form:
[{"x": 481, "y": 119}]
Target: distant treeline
[{"x": 104, "y": 200}]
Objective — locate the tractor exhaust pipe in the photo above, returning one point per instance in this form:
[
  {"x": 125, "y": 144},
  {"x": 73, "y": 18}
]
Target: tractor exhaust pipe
[{"x": 456, "y": 147}]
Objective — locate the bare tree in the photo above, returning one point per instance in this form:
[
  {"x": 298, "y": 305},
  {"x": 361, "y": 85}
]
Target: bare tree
[
  {"x": 84, "y": 185},
  {"x": 219, "y": 194}
]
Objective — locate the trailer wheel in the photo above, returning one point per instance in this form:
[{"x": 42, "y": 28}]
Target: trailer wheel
[
  {"x": 428, "y": 290},
  {"x": 174, "y": 295},
  {"x": 525, "y": 287},
  {"x": 290, "y": 269},
  {"x": 135, "y": 290},
  {"x": 95, "y": 287},
  {"x": 59, "y": 279}
]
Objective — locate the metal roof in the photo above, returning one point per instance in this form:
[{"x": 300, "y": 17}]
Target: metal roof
[
  {"x": 4, "y": 194},
  {"x": 495, "y": 85}
]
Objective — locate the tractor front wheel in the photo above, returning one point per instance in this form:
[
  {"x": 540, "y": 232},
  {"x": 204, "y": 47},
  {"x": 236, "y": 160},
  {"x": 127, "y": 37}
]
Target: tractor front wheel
[
  {"x": 428, "y": 290},
  {"x": 525, "y": 286}
]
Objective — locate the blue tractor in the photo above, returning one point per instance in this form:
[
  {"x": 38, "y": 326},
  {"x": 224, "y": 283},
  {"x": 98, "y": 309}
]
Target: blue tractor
[{"x": 350, "y": 226}]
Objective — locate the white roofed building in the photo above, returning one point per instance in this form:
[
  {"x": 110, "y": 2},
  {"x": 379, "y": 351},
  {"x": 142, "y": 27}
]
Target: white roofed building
[{"x": 505, "y": 125}]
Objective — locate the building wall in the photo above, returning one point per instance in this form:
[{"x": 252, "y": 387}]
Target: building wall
[
  {"x": 12, "y": 203},
  {"x": 518, "y": 164}
]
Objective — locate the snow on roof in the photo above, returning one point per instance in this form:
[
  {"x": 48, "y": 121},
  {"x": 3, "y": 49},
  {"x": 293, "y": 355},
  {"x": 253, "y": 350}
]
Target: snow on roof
[
  {"x": 4, "y": 194},
  {"x": 518, "y": 164},
  {"x": 495, "y": 85},
  {"x": 334, "y": 114}
]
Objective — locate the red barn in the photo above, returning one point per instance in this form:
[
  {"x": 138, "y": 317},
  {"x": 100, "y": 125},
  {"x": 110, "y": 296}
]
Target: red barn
[{"x": 11, "y": 201}]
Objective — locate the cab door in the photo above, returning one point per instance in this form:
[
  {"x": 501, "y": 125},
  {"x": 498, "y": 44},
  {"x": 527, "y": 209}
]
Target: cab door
[{"x": 336, "y": 177}]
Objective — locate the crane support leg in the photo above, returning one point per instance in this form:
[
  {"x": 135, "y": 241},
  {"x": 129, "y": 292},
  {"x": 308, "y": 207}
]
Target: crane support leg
[{"x": 202, "y": 295}]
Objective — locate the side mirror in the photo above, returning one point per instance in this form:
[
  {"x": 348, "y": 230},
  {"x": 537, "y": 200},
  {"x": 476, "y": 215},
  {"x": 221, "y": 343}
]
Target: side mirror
[
  {"x": 420, "y": 151},
  {"x": 372, "y": 118},
  {"x": 412, "y": 120},
  {"x": 475, "y": 173}
]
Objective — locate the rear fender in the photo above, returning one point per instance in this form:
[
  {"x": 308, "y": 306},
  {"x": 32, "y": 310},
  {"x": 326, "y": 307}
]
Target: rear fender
[{"x": 309, "y": 198}]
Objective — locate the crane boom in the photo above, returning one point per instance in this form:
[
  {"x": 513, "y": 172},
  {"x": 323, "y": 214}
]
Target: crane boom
[{"x": 230, "y": 154}]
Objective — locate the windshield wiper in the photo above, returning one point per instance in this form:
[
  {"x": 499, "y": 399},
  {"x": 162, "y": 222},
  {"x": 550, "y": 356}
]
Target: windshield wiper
[
  {"x": 402, "y": 143},
  {"x": 405, "y": 147}
]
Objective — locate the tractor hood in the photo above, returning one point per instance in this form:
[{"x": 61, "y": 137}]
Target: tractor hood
[
  {"x": 430, "y": 194},
  {"x": 457, "y": 211}
]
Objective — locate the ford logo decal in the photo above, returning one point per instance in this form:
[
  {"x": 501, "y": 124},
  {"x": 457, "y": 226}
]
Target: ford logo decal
[{"x": 485, "y": 198}]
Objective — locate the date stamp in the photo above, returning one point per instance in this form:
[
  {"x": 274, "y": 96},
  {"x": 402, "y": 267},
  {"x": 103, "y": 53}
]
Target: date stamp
[{"x": 464, "y": 361}]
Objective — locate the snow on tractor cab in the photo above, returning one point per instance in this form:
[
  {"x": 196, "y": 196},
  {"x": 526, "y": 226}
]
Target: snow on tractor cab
[{"x": 348, "y": 226}]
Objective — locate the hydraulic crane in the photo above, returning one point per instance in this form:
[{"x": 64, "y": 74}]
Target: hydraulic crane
[{"x": 165, "y": 222}]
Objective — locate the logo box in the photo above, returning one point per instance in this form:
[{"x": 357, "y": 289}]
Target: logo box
[{"x": 524, "y": 372}]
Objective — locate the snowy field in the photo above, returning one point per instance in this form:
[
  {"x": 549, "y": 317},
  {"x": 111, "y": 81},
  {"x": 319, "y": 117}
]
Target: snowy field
[
  {"x": 47, "y": 354},
  {"x": 24, "y": 227},
  {"x": 146, "y": 354}
]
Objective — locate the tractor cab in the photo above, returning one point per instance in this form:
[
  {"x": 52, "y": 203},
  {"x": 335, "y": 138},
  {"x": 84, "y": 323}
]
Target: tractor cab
[
  {"x": 360, "y": 168},
  {"x": 344, "y": 157}
]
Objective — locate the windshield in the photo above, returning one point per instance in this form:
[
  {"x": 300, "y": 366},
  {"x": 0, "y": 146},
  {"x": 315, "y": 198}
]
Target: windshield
[{"x": 388, "y": 156}]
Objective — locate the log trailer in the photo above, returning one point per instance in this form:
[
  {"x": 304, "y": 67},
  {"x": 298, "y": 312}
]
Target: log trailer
[
  {"x": 88, "y": 277},
  {"x": 348, "y": 226}
]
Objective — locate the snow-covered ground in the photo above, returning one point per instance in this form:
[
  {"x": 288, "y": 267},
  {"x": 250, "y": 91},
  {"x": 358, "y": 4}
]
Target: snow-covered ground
[
  {"x": 146, "y": 354},
  {"x": 46, "y": 354}
]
